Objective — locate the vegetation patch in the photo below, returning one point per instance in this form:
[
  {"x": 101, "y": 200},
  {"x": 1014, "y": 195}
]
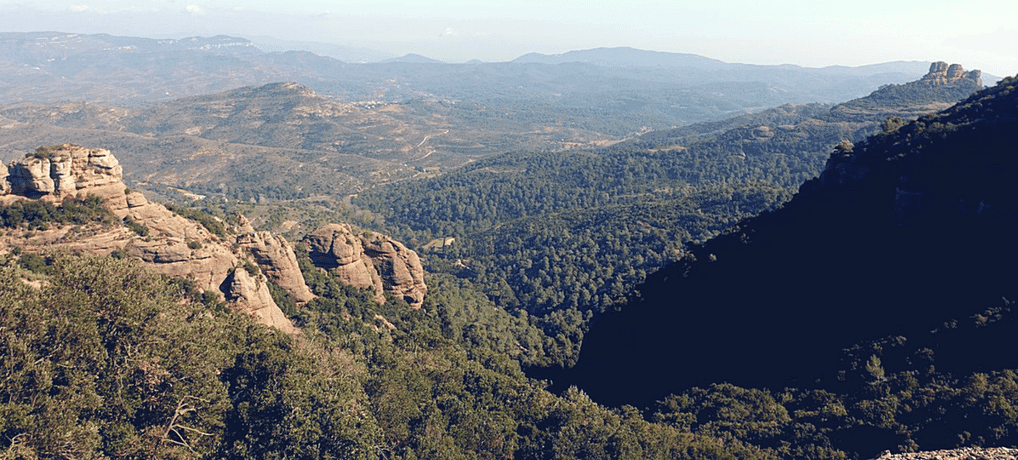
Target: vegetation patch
[
  {"x": 207, "y": 220},
  {"x": 37, "y": 215}
]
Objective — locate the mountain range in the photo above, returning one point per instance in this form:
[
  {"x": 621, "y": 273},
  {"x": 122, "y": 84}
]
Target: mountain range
[
  {"x": 871, "y": 311},
  {"x": 50, "y": 67}
]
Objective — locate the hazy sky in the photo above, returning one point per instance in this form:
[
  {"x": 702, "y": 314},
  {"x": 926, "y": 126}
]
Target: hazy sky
[{"x": 976, "y": 34}]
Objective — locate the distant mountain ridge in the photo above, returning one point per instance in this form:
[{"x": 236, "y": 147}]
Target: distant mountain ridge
[
  {"x": 58, "y": 67},
  {"x": 412, "y": 58},
  {"x": 623, "y": 56},
  {"x": 627, "y": 56},
  {"x": 57, "y": 44},
  {"x": 342, "y": 53}
]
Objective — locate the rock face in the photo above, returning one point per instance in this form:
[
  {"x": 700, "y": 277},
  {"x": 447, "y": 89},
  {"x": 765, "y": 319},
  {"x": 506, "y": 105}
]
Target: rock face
[
  {"x": 368, "y": 260},
  {"x": 942, "y": 74},
  {"x": 183, "y": 248},
  {"x": 253, "y": 297},
  {"x": 276, "y": 258},
  {"x": 59, "y": 171},
  {"x": 173, "y": 245}
]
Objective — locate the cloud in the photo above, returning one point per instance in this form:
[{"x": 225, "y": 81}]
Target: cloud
[
  {"x": 195, "y": 10},
  {"x": 449, "y": 32},
  {"x": 80, "y": 8}
]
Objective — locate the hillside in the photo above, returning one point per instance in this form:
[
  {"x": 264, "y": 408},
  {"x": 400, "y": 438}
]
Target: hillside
[
  {"x": 565, "y": 235},
  {"x": 338, "y": 148},
  {"x": 132, "y": 330},
  {"x": 887, "y": 280}
]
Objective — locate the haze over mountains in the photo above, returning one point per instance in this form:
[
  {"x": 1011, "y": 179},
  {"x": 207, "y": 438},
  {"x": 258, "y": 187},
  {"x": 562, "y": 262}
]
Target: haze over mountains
[
  {"x": 365, "y": 123},
  {"x": 63, "y": 67}
]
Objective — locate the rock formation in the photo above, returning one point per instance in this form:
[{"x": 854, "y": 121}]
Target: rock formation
[
  {"x": 276, "y": 258},
  {"x": 59, "y": 171},
  {"x": 942, "y": 74},
  {"x": 253, "y": 297},
  {"x": 173, "y": 245},
  {"x": 179, "y": 247},
  {"x": 368, "y": 260}
]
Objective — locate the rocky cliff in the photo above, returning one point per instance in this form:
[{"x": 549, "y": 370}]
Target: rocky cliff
[
  {"x": 368, "y": 260},
  {"x": 275, "y": 257},
  {"x": 183, "y": 248},
  {"x": 55, "y": 172},
  {"x": 166, "y": 242}
]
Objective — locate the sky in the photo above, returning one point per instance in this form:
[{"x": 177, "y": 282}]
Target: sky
[{"x": 976, "y": 34}]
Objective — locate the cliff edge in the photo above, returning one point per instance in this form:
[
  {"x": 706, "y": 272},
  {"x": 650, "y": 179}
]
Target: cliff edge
[
  {"x": 166, "y": 242},
  {"x": 217, "y": 261}
]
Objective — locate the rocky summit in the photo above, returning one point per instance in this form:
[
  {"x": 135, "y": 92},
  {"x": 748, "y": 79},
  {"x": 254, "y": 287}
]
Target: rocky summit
[{"x": 942, "y": 74}]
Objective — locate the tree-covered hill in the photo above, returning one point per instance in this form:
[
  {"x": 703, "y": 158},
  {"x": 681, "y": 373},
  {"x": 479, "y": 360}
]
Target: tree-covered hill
[
  {"x": 104, "y": 359},
  {"x": 888, "y": 281},
  {"x": 564, "y": 235}
]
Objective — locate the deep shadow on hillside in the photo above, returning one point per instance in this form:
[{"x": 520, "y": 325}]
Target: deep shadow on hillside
[{"x": 901, "y": 234}]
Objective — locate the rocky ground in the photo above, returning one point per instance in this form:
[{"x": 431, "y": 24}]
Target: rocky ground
[{"x": 965, "y": 453}]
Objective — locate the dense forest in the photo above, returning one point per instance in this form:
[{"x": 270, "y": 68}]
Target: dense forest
[
  {"x": 563, "y": 236},
  {"x": 109, "y": 360},
  {"x": 890, "y": 277}
]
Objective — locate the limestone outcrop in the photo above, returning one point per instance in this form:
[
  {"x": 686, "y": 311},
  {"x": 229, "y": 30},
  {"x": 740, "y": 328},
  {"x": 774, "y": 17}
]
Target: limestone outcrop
[
  {"x": 942, "y": 74},
  {"x": 59, "y": 171},
  {"x": 276, "y": 258},
  {"x": 180, "y": 247},
  {"x": 170, "y": 244},
  {"x": 253, "y": 297},
  {"x": 400, "y": 269},
  {"x": 368, "y": 260}
]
